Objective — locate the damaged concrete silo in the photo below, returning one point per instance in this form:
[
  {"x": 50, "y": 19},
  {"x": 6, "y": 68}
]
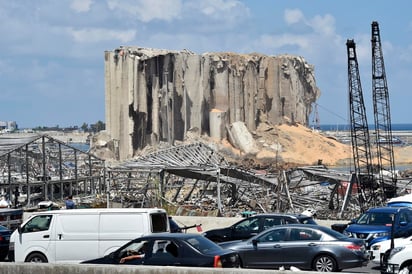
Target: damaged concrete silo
[{"x": 157, "y": 95}]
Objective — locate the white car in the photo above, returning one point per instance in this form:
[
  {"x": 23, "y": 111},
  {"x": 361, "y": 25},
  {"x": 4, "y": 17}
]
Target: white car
[
  {"x": 400, "y": 260},
  {"x": 377, "y": 250}
]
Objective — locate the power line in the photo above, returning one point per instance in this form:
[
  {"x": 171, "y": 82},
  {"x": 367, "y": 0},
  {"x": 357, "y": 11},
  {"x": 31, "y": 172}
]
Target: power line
[{"x": 333, "y": 113}]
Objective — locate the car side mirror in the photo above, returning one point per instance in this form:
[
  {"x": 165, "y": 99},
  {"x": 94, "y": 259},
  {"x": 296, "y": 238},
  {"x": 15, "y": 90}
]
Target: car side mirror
[
  {"x": 403, "y": 223},
  {"x": 255, "y": 242},
  {"x": 353, "y": 221},
  {"x": 19, "y": 229}
]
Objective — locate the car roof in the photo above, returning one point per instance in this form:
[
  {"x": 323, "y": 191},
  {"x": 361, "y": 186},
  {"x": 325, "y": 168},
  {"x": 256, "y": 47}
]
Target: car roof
[
  {"x": 168, "y": 235},
  {"x": 297, "y": 215},
  {"x": 387, "y": 209},
  {"x": 297, "y": 225}
]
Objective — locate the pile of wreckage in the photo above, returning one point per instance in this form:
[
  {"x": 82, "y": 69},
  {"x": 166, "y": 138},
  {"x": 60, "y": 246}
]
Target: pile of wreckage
[
  {"x": 194, "y": 179},
  {"x": 189, "y": 179}
]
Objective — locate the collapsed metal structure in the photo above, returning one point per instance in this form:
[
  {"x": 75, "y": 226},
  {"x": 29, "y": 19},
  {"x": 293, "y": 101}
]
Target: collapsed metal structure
[
  {"x": 186, "y": 179},
  {"x": 196, "y": 179},
  {"x": 37, "y": 168}
]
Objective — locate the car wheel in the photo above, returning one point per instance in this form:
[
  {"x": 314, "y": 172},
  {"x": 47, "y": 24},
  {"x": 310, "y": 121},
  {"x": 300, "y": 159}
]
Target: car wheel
[
  {"x": 36, "y": 258},
  {"x": 3, "y": 254},
  {"x": 325, "y": 263},
  {"x": 406, "y": 270}
]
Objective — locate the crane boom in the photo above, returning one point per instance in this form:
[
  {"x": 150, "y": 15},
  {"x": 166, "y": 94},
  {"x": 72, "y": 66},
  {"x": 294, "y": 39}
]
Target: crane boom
[
  {"x": 359, "y": 130},
  {"x": 381, "y": 109}
]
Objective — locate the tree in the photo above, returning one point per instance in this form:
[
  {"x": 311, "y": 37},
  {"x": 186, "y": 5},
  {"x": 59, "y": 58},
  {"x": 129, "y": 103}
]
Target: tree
[
  {"x": 98, "y": 126},
  {"x": 85, "y": 127}
]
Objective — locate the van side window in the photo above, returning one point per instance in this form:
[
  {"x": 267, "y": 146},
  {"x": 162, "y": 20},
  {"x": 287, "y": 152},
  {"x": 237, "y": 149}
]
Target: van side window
[
  {"x": 160, "y": 222},
  {"x": 38, "y": 223}
]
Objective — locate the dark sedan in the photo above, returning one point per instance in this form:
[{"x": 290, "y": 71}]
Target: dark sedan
[
  {"x": 171, "y": 249},
  {"x": 251, "y": 226},
  {"x": 307, "y": 247},
  {"x": 4, "y": 241}
]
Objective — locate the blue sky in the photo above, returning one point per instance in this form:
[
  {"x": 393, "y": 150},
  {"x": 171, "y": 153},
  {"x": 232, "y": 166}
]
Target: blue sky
[{"x": 52, "y": 52}]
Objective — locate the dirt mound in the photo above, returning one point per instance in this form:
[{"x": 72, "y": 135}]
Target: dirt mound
[
  {"x": 290, "y": 145},
  {"x": 285, "y": 146},
  {"x": 305, "y": 146}
]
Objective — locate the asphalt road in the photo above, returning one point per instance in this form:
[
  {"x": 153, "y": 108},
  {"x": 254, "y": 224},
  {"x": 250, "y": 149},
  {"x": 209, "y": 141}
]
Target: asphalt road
[{"x": 370, "y": 268}]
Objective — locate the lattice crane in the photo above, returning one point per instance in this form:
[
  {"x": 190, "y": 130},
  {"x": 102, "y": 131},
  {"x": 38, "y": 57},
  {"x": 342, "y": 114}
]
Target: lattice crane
[
  {"x": 363, "y": 174},
  {"x": 381, "y": 109}
]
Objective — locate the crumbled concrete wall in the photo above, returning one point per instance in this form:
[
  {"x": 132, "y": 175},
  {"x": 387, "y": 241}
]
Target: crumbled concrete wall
[
  {"x": 157, "y": 95},
  {"x": 241, "y": 138}
]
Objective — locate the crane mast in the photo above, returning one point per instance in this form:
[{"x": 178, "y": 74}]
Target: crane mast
[
  {"x": 381, "y": 109},
  {"x": 363, "y": 175}
]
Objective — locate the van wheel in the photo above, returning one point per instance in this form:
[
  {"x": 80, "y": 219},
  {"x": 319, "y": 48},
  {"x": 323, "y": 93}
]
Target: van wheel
[{"x": 36, "y": 258}]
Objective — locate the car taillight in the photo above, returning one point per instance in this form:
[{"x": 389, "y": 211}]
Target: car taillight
[
  {"x": 354, "y": 247},
  {"x": 217, "y": 262},
  {"x": 1, "y": 238}
]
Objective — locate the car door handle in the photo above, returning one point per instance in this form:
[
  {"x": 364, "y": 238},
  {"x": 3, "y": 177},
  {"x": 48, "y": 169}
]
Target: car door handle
[
  {"x": 46, "y": 236},
  {"x": 277, "y": 246},
  {"x": 312, "y": 244}
]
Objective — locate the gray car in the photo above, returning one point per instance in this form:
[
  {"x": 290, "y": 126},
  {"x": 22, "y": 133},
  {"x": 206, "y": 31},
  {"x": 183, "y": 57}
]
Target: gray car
[
  {"x": 251, "y": 226},
  {"x": 307, "y": 247}
]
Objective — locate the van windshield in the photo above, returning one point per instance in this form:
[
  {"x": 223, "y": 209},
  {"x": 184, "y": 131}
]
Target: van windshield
[{"x": 375, "y": 218}]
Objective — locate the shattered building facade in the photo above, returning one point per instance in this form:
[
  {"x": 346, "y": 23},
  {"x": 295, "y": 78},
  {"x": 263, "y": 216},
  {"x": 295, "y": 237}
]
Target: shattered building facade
[{"x": 155, "y": 95}]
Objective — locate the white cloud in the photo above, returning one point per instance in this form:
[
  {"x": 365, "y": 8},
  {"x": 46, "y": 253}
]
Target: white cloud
[
  {"x": 293, "y": 16},
  {"x": 216, "y": 8},
  {"x": 148, "y": 10},
  {"x": 323, "y": 25},
  {"x": 280, "y": 41},
  {"x": 97, "y": 35},
  {"x": 225, "y": 13},
  {"x": 81, "y": 5}
]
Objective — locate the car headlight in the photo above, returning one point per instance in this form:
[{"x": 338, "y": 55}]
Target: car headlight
[
  {"x": 380, "y": 234},
  {"x": 396, "y": 250}
]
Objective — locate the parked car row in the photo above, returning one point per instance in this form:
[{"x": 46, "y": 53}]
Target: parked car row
[{"x": 143, "y": 236}]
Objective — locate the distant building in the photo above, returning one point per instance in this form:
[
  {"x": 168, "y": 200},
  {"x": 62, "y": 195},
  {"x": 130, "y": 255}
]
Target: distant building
[{"x": 8, "y": 126}]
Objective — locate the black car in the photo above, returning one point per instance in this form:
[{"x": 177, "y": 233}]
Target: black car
[
  {"x": 171, "y": 249},
  {"x": 4, "y": 241},
  {"x": 251, "y": 226},
  {"x": 307, "y": 247}
]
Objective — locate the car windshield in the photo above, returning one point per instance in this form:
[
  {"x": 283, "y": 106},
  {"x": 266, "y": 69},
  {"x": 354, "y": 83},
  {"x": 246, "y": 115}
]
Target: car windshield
[
  {"x": 375, "y": 218},
  {"x": 248, "y": 224},
  {"x": 203, "y": 244}
]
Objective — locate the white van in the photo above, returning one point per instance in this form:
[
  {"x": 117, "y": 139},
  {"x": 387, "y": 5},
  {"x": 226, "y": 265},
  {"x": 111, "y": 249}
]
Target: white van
[{"x": 72, "y": 236}]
